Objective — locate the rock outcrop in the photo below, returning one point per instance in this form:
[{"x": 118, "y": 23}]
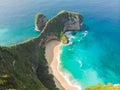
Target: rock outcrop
[
  {"x": 40, "y": 21},
  {"x": 64, "y": 21},
  {"x": 72, "y": 21}
]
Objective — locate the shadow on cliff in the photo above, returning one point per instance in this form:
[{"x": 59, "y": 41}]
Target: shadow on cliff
[
  {"x": 73, "y": 32},
  {"x": 84, "y": 27}
]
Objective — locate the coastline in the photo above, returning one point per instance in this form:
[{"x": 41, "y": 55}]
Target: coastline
[{"x": 51, "y": 53}]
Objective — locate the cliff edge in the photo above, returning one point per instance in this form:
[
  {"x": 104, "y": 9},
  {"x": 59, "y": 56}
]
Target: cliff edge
[
  {"x": 40, "y": 21},
  {"x": 56, "y": 27}
]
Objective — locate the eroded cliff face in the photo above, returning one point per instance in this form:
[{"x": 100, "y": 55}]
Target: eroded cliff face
[
  {"x": 73, "y": 23},
  {"x": 63, "y": 22},
  {"x": 40, "y": 21}
]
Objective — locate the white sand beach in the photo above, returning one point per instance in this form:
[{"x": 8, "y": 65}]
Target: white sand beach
[{"x": 51, "y": 53}]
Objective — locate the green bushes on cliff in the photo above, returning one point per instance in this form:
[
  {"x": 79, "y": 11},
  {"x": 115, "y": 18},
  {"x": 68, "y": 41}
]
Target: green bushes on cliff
[
  {"x": 104, "y": 87},
  {"x": 37, "y": 16},
  {"x": 24, "y": 67},
  {"x": 63, "y": 38}
]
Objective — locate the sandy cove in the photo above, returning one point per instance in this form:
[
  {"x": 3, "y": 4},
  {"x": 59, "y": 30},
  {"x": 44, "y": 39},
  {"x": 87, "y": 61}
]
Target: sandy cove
[{"x": 51, "y": 53}]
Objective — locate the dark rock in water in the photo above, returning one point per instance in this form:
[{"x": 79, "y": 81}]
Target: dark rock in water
[
  {"x": 40, "y": 21},
  {"x": 84, "y": 27}
]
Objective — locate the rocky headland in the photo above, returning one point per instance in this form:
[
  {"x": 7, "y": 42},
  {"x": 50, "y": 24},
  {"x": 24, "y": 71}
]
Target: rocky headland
[
  {"x": 40, "y": 21},
  {"x": 24, "y": 66}
]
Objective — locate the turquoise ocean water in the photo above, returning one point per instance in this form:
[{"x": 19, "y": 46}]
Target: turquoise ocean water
[{"x": 93, "y": 55}]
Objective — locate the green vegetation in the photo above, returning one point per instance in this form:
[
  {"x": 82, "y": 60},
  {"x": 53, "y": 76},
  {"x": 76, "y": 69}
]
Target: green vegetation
[
  {"x": 37, "y": 16},
  {"x": 56, "y": 24},
  {"x": 104, "y": 87},
  {"x": 6, "y": 82},
  {"x": 67, "y": 14},
  {"x": 63, "y": 38},
  {"x": 11, "y": 89},
  {"x": 4, "y": 76},
  {"x": 24, "y": 67}
]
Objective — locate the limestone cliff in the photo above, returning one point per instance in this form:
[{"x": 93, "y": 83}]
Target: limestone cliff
[
  {"x": 61, "y": 23},
  {"x": 40, "y": 21}
]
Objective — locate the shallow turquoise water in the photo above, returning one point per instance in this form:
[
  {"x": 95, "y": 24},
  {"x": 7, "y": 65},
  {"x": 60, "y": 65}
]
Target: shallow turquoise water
[
  {"x": 94, "y": 53},
  {"x": 93, "y": 56}
]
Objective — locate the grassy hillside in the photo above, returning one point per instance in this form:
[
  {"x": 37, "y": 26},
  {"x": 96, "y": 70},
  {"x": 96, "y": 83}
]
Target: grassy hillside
[
  {"x": 25, "y": 67},
  {"x": 37, "y": 16},
  {"x": 104, "y": 87}
]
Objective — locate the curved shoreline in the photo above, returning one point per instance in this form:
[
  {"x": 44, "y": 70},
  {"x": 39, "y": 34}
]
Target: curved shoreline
[{"x": 51, "y": 53}]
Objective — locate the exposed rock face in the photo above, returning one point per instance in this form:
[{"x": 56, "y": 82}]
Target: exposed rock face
[
  {"x": 40, "y": 22},
  {"x": 72, "y": 23},
  {"x": 63, "y": 22}
]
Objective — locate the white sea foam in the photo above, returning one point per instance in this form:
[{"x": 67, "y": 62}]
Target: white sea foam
[
  {"x": 85, "y": 33},
  {"x": 72, "y": 36},
  {"x": 80, "y": 62},
  {"x": 69, "y": 35},
  {"x": 36, "y": 29},
  {"x": 81, "y": 24},
  {"x": 66, "y": 75},
  {"x": 116, "y": 84}
]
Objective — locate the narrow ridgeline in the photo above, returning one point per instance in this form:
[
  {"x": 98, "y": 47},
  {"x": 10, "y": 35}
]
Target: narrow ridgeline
[{"x": 23, "y": 66}]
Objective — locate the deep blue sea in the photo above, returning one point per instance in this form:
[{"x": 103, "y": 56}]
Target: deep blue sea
[{"x": 93, "y": 55}]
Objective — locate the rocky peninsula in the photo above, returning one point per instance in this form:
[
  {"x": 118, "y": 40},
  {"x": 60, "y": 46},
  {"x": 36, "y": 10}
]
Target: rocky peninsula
[
  {"x": 40, "y": 21},
  {"x": 26, "y": 66}
]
